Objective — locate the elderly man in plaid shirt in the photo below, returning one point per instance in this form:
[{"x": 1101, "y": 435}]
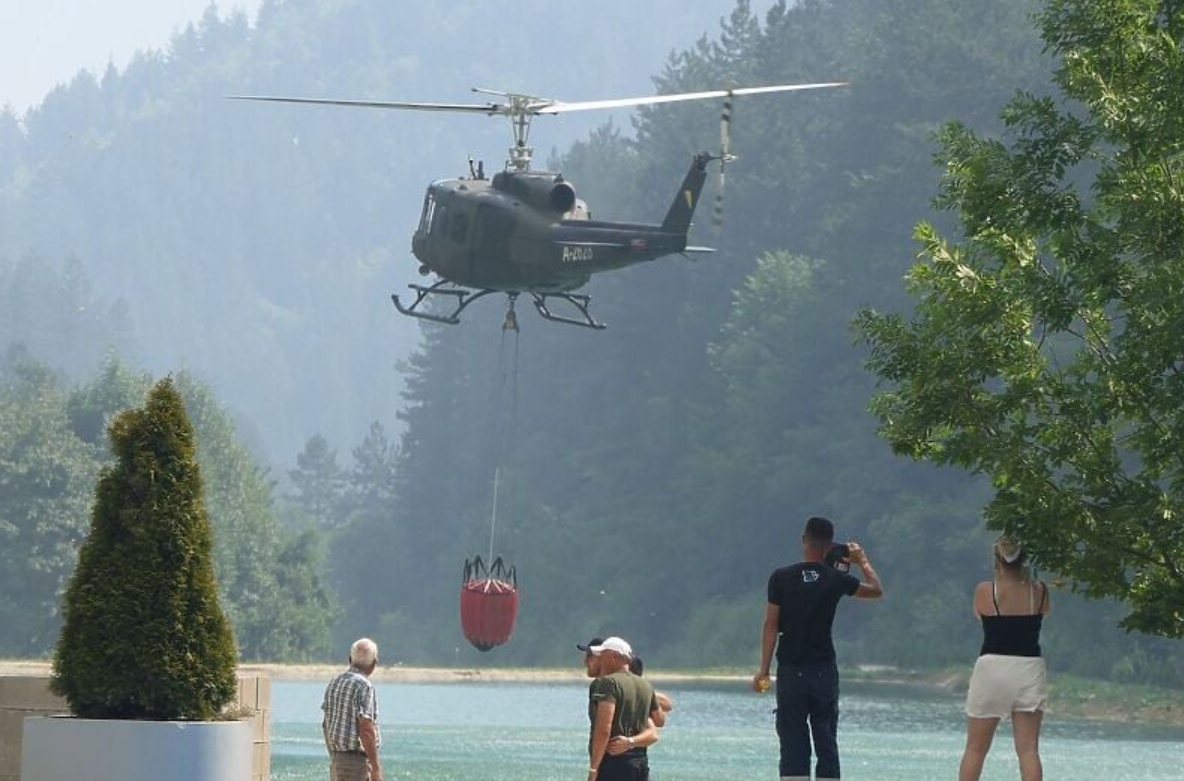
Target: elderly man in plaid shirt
[{"x": 351, "y": 718}]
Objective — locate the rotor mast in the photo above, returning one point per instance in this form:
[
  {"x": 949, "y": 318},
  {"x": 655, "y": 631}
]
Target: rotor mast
[
  {"x": 520, "y": 118},
  {"x": 521, "y": 110},
  {"x": 520, "y": 153}
]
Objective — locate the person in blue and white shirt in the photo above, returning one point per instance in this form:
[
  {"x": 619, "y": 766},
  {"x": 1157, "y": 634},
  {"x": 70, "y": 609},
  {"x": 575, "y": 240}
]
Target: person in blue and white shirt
[{"x": 351, "y": 730}]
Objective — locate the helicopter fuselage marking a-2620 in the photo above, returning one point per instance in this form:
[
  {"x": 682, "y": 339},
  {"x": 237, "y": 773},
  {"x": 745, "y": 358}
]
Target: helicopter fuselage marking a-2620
[{"x": 578, "y": 255}]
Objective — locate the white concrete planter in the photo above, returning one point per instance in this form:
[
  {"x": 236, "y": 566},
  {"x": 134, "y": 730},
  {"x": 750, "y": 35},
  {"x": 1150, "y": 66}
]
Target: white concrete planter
[{"x": 70, "y": 749}]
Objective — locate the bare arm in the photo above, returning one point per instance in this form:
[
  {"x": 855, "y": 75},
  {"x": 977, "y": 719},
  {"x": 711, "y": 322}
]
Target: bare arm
[
  {"x": 658, "y": 716},
  {"x": 368, "y": 734},
  {"x": 601, "y": 731},
  {"x": 660, "y": 705},
  {"x": 870, "y": 588},
  {"x": 644, "y": 739},
  {"x": 982, "y": 600},
  {"x": 760, "y": 681}
]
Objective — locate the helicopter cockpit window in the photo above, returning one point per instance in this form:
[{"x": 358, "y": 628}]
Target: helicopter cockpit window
[
  {"x": 439, "y": 219},
  {"x": 459, "y": 231},
  {"x": 429, "y": 208}
]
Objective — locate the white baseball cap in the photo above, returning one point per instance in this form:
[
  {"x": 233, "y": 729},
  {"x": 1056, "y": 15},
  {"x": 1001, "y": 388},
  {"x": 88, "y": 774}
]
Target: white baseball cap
[{"x": 613, "y": 644}]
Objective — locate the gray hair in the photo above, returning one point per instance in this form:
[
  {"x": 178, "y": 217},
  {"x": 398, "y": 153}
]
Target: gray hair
[{"x": 363, "y": 652}]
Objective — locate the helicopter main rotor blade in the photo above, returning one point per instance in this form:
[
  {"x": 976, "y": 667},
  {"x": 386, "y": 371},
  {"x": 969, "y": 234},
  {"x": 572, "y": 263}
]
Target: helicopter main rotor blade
[
  {"x": 521, "y": 109},
  {"x": 520, "y": 105},
  {"x": 559, "y": 106},
  {"x": 471, "y": 108}
]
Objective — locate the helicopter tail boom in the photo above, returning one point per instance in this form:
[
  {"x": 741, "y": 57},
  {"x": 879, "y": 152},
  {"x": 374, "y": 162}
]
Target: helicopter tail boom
[{"x": 682, "y": 208}]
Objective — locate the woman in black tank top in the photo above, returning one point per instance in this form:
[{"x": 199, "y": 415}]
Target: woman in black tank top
[{"x": 1009, "y": 677}]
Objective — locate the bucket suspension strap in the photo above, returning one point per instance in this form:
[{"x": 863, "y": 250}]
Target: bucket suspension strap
[
  {"x": 476, "y": 572},
  {"x": 507, "y": 378},
  {"x": 489, "y": 595}
]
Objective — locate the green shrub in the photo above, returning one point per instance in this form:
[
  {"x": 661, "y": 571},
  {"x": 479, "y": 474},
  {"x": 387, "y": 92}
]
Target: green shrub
[{"x": 144, "y": 635}]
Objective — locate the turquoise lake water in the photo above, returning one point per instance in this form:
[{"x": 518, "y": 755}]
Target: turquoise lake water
[{"x": 717, "y": 732}]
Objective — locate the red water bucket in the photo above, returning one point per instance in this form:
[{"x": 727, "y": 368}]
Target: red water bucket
[{"x": 488, "y": 603}]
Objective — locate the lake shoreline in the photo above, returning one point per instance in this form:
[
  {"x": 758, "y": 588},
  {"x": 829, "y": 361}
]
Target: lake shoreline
[{"x": 1070, "y": 697}]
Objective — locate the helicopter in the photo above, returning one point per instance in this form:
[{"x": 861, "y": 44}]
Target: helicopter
[{"x": 526, "y": 231}]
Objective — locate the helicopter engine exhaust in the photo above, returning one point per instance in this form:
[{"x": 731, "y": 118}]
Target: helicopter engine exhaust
[
  {"x": 563, "y": 197},
  {"x": 546, "y": 192}
]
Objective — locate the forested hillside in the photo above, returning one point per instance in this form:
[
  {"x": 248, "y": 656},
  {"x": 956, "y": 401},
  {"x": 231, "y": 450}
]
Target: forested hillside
[{"x": 651, "y": 475}]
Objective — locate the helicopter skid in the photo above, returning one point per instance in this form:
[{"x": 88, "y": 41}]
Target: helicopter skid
[
  {"x": 580, "y": 302},
  {"x": 464, "y": 296}
]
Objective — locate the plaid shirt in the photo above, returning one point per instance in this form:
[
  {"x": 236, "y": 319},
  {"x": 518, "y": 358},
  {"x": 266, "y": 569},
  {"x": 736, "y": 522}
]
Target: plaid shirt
[{"x": 348, "y": 697}]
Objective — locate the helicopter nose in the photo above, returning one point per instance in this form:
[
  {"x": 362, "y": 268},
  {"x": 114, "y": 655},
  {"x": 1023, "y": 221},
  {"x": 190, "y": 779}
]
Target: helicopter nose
[{"x": 424, "y": 271}]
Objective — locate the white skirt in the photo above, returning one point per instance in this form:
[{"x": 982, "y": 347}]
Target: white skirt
[{"x": 1001, "y": 685}]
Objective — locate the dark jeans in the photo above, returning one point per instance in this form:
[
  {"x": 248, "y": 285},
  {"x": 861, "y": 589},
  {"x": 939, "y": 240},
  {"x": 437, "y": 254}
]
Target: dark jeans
[
  {"x": 630, "y": 766},
  {"x": 808, "y": 704}
]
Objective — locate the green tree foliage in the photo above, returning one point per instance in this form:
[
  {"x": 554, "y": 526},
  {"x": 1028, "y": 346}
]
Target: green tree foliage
[
  {"x": 319, "y": 481},
  {"x": 1045, "y": 347},
  {"x": 56, "y": 314},
  {"x": 367, "y": 536},
  {"x": 92, "y": 405},
  {"x": 370, "y": 481},
  {"x": 144, "y": 634},
  {"x": 271, "y": 580},
  {"x": 46, "y": 477},
  {"x": 785, "y": 439},
  {"x": 277, "y": 604},
  {"x": 299, "y": 626}
]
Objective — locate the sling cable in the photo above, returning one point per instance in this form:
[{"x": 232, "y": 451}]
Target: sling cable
[{"x": 489, "y": 594}]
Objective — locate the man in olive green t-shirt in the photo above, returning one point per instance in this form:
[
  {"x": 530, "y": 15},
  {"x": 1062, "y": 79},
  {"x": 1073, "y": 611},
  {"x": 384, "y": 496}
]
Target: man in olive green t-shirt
[{"x": 619, "y": 704}]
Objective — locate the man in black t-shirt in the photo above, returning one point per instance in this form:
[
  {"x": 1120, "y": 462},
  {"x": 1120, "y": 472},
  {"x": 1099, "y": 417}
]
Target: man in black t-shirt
[{"x": 798, "y": 620}]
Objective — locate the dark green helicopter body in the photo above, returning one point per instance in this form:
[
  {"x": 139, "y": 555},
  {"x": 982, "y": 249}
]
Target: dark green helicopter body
[{"x": 526, "y": 231}]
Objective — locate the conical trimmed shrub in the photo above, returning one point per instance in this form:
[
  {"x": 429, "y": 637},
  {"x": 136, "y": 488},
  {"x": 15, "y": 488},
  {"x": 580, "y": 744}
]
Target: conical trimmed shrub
[{"x": 144, "y": 635}]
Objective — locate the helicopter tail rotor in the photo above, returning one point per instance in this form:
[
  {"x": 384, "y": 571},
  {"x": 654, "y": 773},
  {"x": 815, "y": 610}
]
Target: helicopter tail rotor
[{"x": 725, "y": 157}]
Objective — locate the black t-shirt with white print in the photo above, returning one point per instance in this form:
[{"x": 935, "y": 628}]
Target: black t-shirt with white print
[{"x": 807, "y": 594}]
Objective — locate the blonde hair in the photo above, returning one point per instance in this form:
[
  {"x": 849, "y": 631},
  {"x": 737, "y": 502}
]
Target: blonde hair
[{"x": 1009, "y": 554}]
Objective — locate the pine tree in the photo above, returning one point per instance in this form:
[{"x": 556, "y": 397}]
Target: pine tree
[
  {"x": 144, "y": 635},
  {"x": 318, "y": 480}
]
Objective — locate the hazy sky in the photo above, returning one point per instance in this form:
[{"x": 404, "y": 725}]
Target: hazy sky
[{"x": 46, "y": 42}]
